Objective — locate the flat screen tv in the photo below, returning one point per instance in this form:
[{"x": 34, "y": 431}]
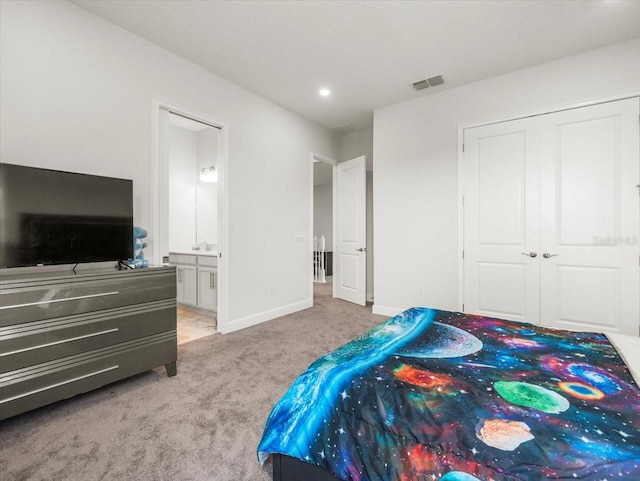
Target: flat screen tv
[{"x": 53, "y": 217}]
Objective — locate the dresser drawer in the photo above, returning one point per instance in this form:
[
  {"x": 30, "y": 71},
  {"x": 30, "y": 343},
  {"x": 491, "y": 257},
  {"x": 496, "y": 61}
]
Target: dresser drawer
[
  {"x": 24, "y": 345},
  {"x": 69, "y": 297},
  {"x": 29, "y": 388}
]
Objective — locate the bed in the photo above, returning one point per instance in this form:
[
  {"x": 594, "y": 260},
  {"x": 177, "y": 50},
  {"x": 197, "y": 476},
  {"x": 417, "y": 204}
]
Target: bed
[{"x": 438, "y": 395}]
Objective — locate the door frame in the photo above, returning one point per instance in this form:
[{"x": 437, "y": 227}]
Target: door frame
[
  {"x": 159, "y": 173},
  {"x": 533, "y": 113},
  {"x": 313, "y": 158}
]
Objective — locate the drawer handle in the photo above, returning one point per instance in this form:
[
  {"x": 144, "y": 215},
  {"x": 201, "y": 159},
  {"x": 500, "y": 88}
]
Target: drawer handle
[
  {"x": 58, "y": 342},
  {"x": 68, "y": 381},
  {"x": 38, "y": 303}
]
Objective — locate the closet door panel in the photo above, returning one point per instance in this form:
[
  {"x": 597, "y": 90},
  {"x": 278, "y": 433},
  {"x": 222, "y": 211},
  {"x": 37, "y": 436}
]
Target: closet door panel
[
  {"x": 587, "y": 176},
  {"x": 586, "y": 295},
  {"x": 502, "y": 289},
  {"x": 589, "y": 218},
  {"x": 501, "y": 220}
]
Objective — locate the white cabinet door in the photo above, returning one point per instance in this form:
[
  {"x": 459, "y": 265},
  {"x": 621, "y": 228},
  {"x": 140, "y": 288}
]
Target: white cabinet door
[
  {"x": 501, "y": 221},
  {"x": 186, "y": 285},
  {"x": 207, "y": 288},
  {"x": 590, "y": 208}
]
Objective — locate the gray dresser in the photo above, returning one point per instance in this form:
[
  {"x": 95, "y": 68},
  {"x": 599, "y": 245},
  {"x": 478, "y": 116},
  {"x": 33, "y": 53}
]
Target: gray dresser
[{"x": 64, "y": 333}]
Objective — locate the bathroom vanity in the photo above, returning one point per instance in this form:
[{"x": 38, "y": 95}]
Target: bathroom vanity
[{"x": 197, "y": 278}]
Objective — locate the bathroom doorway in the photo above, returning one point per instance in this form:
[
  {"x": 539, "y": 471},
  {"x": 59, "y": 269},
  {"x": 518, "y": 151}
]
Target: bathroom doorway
[{"x": 189, "y": 228}]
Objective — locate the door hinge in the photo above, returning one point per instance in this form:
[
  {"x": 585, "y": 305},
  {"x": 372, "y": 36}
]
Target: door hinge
[
  {"x": 462, "y": 146},
  {"x": 463, "y": 254},
  {"x": 220, "y": 255},
  {"x": 462, "y": 307},
  {"x": 463, "y": 200}
]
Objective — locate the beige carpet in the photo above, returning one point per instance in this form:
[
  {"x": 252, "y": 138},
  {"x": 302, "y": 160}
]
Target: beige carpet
[{"x": 203, "y": 424}]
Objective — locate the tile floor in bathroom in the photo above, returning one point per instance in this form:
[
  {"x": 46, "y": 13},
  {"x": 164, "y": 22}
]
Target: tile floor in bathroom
[{"x": 194, "y": 324}]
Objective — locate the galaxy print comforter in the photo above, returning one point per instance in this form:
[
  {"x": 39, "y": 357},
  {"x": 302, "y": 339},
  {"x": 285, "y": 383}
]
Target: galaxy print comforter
[{"x": 437, "y": 395}]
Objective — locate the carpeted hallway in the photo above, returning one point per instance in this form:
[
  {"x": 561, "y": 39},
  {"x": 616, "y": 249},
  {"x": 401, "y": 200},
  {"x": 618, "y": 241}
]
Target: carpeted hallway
[{"x": 203, "y": 424}]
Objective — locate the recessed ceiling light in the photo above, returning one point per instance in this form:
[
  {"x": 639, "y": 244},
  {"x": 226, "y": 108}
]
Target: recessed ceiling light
[{"x": 325, "y": 92}]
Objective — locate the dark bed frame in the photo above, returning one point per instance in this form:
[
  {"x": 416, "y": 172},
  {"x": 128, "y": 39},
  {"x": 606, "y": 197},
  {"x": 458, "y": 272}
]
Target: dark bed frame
[{"x": 286, "y": 468}]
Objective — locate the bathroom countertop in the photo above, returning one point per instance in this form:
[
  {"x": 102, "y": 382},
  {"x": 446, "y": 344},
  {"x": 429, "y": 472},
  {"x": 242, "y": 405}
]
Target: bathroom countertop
[{"x": 212, "y": 253}]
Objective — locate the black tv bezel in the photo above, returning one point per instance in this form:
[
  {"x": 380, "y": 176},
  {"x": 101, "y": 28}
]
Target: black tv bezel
[{"x": 70, "y": 260}]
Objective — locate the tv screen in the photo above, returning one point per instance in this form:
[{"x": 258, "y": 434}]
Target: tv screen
[{"x": 53, "y": 217}]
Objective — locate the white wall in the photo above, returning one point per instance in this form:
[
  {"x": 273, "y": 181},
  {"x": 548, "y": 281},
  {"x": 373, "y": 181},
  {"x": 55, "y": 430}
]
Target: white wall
[
  {"x": 207, "y": 192},
  {"x": 76, "y": 94},
  {"x": 356, "y": 144},
  {"x": 352, "y": 146},
  {"x": 323, "y": 213},
  {"x": 183, "y": 164},
  {"x": 416, "y": 165}
]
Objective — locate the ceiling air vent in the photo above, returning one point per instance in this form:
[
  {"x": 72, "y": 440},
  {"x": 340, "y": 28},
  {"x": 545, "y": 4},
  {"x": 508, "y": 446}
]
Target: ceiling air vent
[
  {"x": 423, "y": 84},
  {"x": 437, "y": 80},
  {"x": 430, "y": 82}
]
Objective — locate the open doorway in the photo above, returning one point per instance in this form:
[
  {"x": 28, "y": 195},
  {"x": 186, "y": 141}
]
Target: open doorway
[
  {"x": 322, "y": 223},
  {"x": 193, "y": 224},
  {"x": 189, "y": 229},
  {"x": 339, "y": 228}
]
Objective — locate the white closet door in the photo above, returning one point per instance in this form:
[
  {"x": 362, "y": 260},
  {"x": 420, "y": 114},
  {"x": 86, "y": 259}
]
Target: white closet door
[
  {"x": 590, "y": 218},
  {"x": 501, "y": 220}
]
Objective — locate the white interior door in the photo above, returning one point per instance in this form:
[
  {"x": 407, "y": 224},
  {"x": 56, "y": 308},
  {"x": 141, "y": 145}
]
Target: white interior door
[
  {"x": 350, "y": 257},
  {"x": 590, "y": 208},
  {"x": 501, "y": 221}
]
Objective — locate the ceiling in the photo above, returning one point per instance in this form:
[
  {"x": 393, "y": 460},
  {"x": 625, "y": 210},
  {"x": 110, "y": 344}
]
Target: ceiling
[{"x": 368, "y": 52}]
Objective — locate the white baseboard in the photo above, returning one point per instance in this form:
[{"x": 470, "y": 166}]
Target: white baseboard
[
  {"x": 252, "y": 320},
  {"x": 386, "y": 310}
]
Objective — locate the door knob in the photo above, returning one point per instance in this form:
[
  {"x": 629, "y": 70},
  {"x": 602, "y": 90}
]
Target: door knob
[
  {"x": 546, "y": 255},
  {"x": 530, "y": 254},
  {"x": 361, "y": 249}
]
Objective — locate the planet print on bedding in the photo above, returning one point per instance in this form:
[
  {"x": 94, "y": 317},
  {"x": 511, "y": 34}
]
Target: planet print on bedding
[{"x": 448, "y": 396}]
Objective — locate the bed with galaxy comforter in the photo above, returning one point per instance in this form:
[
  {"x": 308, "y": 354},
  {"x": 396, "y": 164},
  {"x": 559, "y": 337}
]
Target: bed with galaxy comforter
[{"x": 436, "y": 395}]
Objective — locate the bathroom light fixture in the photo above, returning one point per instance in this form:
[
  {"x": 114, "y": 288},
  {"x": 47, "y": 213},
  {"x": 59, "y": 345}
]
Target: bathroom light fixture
[
  {"x": 325, "y": 92},
  {"x": 209, "y": 174}
]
